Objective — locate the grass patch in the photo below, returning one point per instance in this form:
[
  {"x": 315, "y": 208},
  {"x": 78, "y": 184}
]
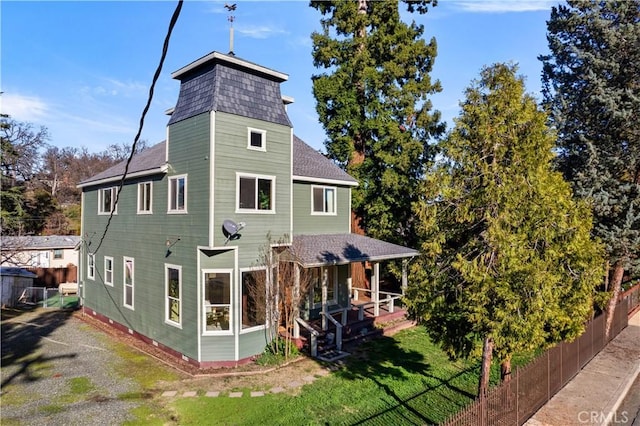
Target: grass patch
[
  {"x": 148, "y": 416},
  {"x": 80, "y": 385},
  {"x": 15, "y": 395},
  {"x": 52, "y": 409},
  {"x": 404, "y": 379},
  {"x": 137, "y": 366}
]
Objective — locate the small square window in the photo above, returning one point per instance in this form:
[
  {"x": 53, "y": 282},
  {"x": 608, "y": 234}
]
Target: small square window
[
  {"x": 57, "y": 253},
  {"x": 257, "y": 140}
]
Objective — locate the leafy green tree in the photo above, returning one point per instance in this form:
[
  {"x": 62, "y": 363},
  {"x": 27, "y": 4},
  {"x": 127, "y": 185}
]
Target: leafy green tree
[
  {"x": 591, "y": 86},
  {"x": 508, "y": 263},
  {"x": 372, "y": 101}
]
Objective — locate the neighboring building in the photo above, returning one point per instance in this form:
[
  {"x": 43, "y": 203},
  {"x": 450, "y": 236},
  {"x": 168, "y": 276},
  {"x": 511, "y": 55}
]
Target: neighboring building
[
  {"x": 182, "y": 247},
  {"x": 15, "y": 281},
  {"x": 54, "y": 251}
]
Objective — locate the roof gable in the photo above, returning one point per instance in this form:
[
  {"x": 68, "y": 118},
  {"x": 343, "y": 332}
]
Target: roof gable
[
  {"x": 309, "y": 164},
  {"x": 151, "y": 160}
]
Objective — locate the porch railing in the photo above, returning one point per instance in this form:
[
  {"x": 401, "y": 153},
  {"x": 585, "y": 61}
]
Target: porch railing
[
  {"x": 388, "y": 300},
  {"x": 314, "y": 336},
  {"x": 338, "y": 326}
]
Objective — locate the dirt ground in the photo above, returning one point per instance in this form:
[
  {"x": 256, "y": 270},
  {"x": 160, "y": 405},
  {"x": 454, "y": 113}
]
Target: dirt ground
[{"x": 251, "y": 376}]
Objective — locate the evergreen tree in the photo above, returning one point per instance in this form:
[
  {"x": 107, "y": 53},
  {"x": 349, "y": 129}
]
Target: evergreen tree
[
  {"x": 591, "y": 86},
  {"x": 373, "y": 103},
  {"x": 508, "y": 263}
]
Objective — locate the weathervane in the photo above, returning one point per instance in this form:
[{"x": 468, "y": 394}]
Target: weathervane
[{"x": 231, "y": 8}]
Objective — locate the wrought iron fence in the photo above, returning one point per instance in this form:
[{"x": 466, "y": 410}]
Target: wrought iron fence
[{"x": 513, "y": 402}]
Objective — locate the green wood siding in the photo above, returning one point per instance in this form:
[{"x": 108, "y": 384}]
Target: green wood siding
[
  {"x": 306, "y": 223},
  {"x": 231, "y": 156},
  {"x": 143, "y": 237}
]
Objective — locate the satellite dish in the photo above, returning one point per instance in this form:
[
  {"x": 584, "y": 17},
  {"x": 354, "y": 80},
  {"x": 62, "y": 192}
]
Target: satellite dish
[{"x": 230, "y": 229}]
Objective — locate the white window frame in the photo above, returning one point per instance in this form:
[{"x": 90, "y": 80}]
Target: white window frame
[
  {"x": 170, "y": 195},
  {"x": 169, "y": 298},
  {"x": 256, "y": 177},
  {"x": 324, "y": 189},
  {"x": 262, "y": 133},
  {"x": 58, "y": 253},
  {"x": 91, "y": 266},
  {"x": 113, "y": 207},
  {"x": 207, "y": 305},
  {"x": 107, "y": 270},
  {"x": 333, "y": 301},
  {"x": 241, "y": 288},
  {"x": 125, "y": 260},
  {"x": 143, "y": 193}
]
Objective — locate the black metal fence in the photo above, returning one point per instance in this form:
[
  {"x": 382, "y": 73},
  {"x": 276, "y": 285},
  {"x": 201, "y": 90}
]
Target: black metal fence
[{"x": 515, "y": 401}]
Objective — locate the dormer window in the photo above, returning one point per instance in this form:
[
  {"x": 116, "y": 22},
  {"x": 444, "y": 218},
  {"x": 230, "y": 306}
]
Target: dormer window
[{"x": 257, "y": 139}]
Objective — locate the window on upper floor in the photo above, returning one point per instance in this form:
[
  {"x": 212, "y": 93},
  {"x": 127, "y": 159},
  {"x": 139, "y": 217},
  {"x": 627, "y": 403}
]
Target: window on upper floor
[
  {"x": 178, "y": 194},
  {"x": 57, "y": 253},
  {"x": 257, "y": 139},
  {"x": 323, "y": 200},
  {"x": 144, "y": 197},
  {"x": 256, "y": 193},
  {"x": 107, "y": 200}
]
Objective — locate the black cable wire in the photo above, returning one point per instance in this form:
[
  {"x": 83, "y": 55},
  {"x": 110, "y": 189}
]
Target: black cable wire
[{"x": 165, "y": 48}]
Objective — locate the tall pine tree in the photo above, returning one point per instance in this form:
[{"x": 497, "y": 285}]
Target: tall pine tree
[
  {"x": 591, "y": 86},
  {"x": 373, "y": 101},
  {"x": 508, "y": 263}
]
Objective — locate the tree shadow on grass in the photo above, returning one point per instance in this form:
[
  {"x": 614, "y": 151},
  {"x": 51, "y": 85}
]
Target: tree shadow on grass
[
  {"x": 22, "y": 334},
  {"x": 384, "y": 362}
]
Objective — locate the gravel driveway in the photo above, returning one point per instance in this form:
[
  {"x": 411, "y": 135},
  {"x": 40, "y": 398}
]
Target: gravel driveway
[{"x": 56, "y": 370}]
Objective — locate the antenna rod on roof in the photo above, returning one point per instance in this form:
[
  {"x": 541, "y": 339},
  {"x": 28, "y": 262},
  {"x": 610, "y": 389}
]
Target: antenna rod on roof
[{"x": 230, "y": 8}]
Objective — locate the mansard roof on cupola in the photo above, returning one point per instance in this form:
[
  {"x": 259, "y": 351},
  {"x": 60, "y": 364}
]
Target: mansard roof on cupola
[{"x": 225, "y": 83}]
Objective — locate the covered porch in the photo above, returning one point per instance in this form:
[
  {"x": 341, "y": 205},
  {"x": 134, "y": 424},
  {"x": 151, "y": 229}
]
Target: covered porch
[{"x": 355, "y": 307}]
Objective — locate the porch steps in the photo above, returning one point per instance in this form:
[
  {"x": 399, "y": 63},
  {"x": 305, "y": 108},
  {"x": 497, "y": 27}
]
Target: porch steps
[{"x": 357, "y": 331}]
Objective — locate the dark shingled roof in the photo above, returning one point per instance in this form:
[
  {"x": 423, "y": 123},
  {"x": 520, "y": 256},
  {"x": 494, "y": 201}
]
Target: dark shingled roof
[
  {"x": 307, "y": 163},
  {"x": 340, "y": 249},
  {"x": 310, "y": 163},
  {"x": 232, "y": 85},
  {"x": 147, "y": 160}
]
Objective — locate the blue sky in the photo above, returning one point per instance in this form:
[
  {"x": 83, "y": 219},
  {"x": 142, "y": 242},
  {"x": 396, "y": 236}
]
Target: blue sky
[{"x": 83, "y": 68}]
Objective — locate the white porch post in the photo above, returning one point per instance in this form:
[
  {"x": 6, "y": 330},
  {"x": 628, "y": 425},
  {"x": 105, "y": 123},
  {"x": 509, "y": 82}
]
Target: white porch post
[
  {"x": 405, "y": 275},
  {"x": 349, "y": 286},
  {"x": 296, "y": 301},
  {"x": 325, "y": 281},
  {"x": 375, "y": 287}
]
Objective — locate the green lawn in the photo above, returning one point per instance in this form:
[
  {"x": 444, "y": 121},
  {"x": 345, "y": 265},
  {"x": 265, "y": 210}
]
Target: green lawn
[{"x": 404, "y": 379}]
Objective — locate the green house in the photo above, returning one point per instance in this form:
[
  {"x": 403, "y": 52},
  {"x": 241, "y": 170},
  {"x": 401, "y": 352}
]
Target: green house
[{"x": 171, "y": 256}]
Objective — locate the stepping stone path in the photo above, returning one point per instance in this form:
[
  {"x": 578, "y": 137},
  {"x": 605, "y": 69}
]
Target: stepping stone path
[{"x": 254, "y": 394}]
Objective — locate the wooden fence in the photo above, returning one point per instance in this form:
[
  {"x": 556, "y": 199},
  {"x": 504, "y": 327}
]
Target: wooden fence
[
  {"x": 515, "y": 401},
  {"x": 52, "y": 277}
]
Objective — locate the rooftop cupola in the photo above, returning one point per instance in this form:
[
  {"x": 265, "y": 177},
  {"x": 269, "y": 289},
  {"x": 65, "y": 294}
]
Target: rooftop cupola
[{"x": 226, "y": 83}]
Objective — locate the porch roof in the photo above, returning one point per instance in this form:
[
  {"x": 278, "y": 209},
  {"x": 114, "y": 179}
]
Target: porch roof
[{"x": 340, "y": 249}]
